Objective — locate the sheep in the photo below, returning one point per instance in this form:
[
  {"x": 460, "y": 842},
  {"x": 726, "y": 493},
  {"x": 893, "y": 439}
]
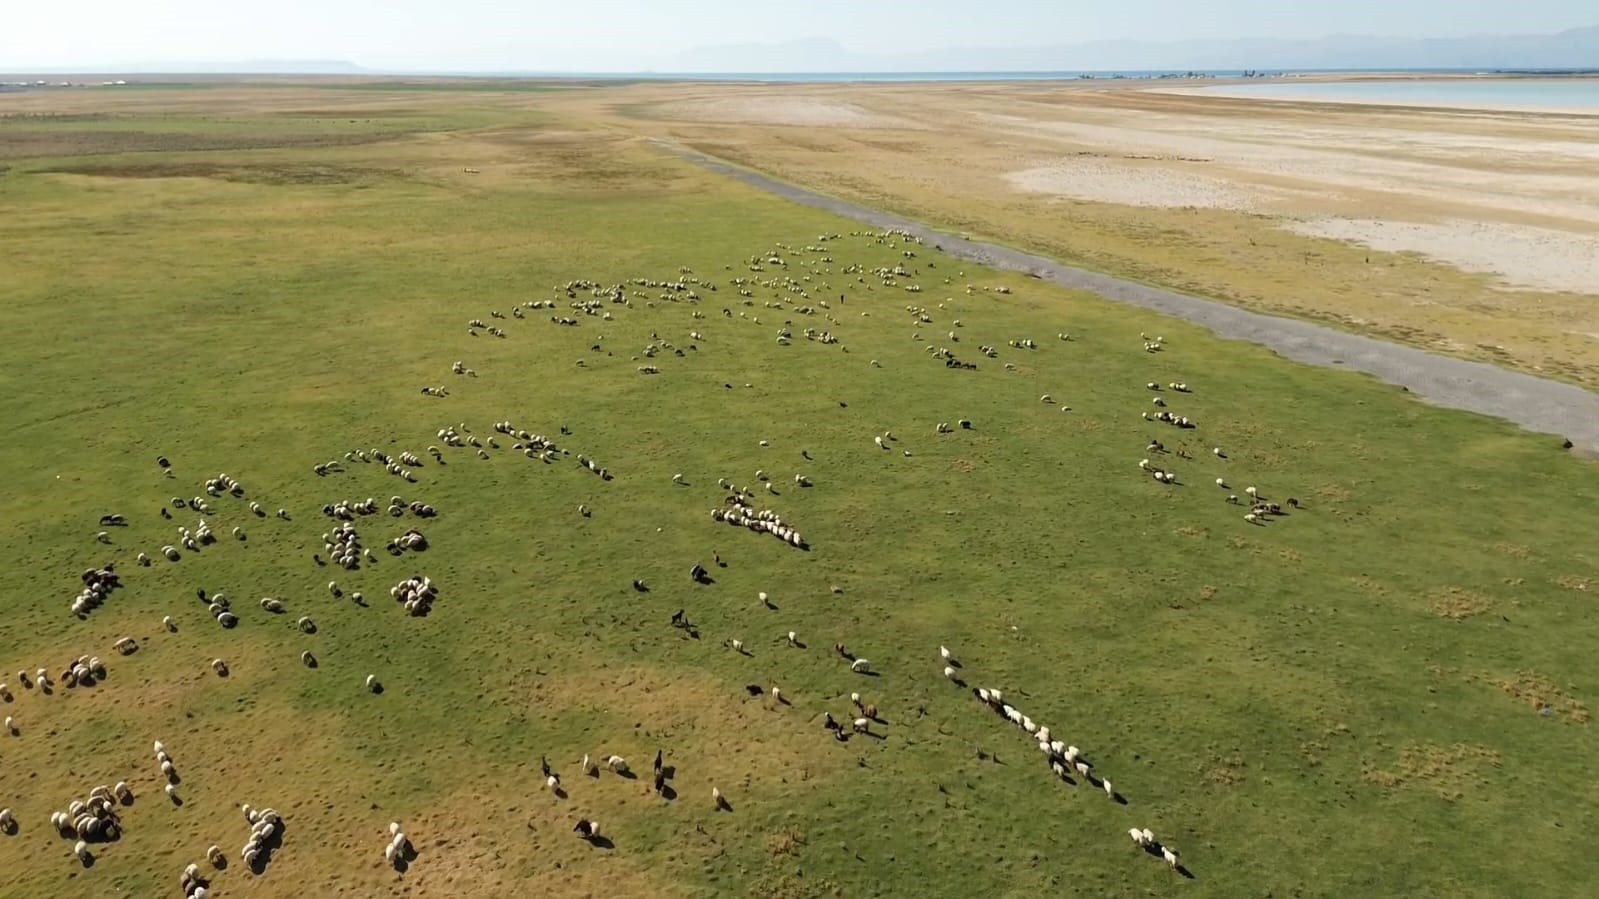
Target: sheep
[
  {"x": 793, "y": 637},
  {"x": 950, "y": 673},
  {"x": 718, "y": 800},
  {"x": 307, "y": 659},
  {"x": 617, "y": 764},
  {"x": 220, "y": 667},
  {"x": 1047, "y": 400},
  {"x": 172, "y": 792},
  {"x": 1170, "y": 855},
  {"x": 1253, "y": 493},
  {"x": 860, "y": 666},
  {"x": 1109, "y": 790},
  {"x": 1138, "y": 837},
  {"x": 861, "y": 725},
  {"x": 81, "y": 850},
  {"x": 738, "y": 645},
  {"x": 11, "y": 726},
  {"x": 553, "y": 783},
  {"x": 372, "y": 683}
]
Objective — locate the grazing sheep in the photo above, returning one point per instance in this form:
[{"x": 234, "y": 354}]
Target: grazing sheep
[
  {"x": 793, "y": 637},
  {"x": 1109, "y": 790},
  {"x": 11, "y": 726},
  {"x": 1170, "y": 855},
  {"x": 172, "y": 792},
  {"x": 372, "y": 683},
  {"x": 617, "y": 764},
  {"x": 860, "y": 666}
]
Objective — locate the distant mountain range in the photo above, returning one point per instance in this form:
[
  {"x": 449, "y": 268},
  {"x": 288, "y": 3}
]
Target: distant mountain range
[{"x": 1574, "y": 49}]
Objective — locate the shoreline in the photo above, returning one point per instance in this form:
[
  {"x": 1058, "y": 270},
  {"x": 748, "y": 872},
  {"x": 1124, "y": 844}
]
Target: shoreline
[{"x": 1241, "y": 90}]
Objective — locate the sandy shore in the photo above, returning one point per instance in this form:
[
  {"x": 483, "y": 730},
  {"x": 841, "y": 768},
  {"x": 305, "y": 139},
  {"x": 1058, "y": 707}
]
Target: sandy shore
[{"x": 1243, "y": 92}]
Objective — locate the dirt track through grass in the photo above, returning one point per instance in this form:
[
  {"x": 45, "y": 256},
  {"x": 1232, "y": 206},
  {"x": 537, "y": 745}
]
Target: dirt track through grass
[{"x": 1534, "y": 403}]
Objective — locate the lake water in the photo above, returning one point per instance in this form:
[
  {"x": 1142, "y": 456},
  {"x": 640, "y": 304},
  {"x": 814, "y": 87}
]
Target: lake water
[{"x": 1565, "y": 94}]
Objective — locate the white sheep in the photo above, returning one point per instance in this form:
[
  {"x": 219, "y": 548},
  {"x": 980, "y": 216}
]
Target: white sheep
[
  {"x": 172, "y": 792},
  {"x": 1169, "y": 854},
  {"x": 949, "y": 672},
  {"x": 1109, "y": 791},
  {"x": 860, "y": 666},
  {"x": 1137, "y": 836},
  {"x": 372, "y": 682},
  {"x": 793, "y": 638},
  {"x": 617, "y": 764}
]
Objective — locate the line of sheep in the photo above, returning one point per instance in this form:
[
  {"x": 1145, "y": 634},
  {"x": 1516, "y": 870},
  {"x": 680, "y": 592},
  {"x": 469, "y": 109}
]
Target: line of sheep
[
  {"x": 741, "y": 514},
  {"x": 1062, "y": 759}
]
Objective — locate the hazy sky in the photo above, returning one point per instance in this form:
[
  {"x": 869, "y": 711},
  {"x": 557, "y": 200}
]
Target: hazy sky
[{"x": 605, "y": 35}]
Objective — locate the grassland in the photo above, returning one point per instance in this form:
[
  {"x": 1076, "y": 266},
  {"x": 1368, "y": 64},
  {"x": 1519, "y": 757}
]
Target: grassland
[{"x": 1384, "y": 693}]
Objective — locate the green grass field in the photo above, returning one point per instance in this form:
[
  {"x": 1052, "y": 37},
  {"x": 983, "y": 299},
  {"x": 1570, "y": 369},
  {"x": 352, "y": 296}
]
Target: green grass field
[{"x": 1382, "y": 693}]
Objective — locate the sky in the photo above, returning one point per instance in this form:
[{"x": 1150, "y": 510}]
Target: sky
[{"x": 611, "y": 35}]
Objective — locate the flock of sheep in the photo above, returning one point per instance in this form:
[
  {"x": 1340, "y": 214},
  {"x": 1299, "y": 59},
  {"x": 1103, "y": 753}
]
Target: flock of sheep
[{"x": 97, "y": 819}]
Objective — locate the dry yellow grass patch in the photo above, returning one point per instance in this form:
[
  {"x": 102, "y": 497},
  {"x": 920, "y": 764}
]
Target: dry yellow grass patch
[
  {"x": 1445, "y": 769},
  {"x": 1572, "y": 582},
  {"x": 1458, "y": 604},
  {"x": 1541, "y": 693}
]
